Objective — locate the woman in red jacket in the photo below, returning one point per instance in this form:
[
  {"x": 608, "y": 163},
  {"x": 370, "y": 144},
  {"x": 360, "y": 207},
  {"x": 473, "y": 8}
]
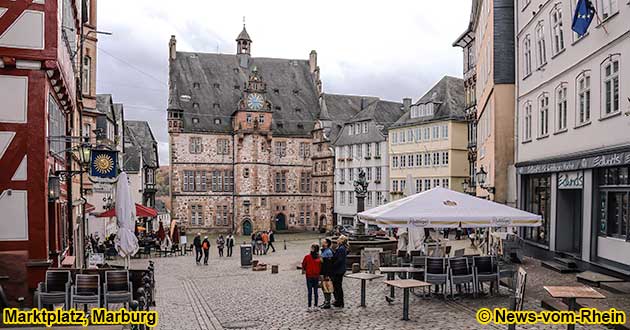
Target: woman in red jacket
[{"x": 312, "y": 265}]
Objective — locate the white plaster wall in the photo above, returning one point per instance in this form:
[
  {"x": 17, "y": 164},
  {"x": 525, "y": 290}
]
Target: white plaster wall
[
  {"x": 14, "y": 219},
  {"x": 27, "y": 31},
  {"x": 14, "y": 96}
]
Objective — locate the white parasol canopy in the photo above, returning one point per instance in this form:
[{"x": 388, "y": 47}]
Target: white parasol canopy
[
  {"x": 126, "y": 241},
  {"x": 445, "y": 208}
]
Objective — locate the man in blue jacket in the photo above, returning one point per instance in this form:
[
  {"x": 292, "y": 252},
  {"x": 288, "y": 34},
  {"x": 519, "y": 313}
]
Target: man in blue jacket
[{"x": 338, "y": 269}]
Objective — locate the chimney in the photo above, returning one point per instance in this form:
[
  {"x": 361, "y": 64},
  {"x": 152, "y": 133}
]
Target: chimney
[
  {"x": 172, "y": 48},
  {"x": 406, "y": 104},
  {"x": 312, "y": 61}
]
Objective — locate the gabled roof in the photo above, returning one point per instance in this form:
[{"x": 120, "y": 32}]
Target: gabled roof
[
  {"x": 104, "y": 105},
  {"x": 208, "y": 87},
  {"x": 243, "y": 35},
  {"x": 338, "y": 109},
  {"x": 448, "y": 99},
  {"x": 139, "y": 142},
  {"x": 378, "y": 113}
]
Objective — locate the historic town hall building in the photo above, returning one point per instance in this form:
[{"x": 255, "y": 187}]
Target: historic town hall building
[{"x": 241, "y": 139}]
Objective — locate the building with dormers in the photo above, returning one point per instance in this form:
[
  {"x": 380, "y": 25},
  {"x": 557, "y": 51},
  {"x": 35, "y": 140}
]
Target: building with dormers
[
  {"x": 428, "y": 144},
  {"x": 361, "y": 144},
  {"x": 241, "y": 141}
]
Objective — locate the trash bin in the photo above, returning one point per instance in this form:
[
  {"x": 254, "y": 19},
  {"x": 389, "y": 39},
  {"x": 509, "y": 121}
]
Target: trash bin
[{"x": 246, "y": 255}]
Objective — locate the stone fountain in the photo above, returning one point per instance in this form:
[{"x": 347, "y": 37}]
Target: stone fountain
[{"x": 359, "y": 241}]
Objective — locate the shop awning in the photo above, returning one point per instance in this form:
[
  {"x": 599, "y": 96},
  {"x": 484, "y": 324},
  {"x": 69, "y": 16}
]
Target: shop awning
[
  {"x": 445, "y": 208},
  {"x": 141, "y": 212}
]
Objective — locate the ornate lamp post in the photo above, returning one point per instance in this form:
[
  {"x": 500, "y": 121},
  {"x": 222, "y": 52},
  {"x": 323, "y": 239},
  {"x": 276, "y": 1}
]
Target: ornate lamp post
[
  {"x": 482, "y": 175},
  {"x": 360, "y": 189}
]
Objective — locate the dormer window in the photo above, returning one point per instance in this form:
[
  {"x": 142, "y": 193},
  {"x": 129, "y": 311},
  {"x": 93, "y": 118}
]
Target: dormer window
[
  {"x": 216, "y": 106},
  {"x": 300, "y": 126},
  {"x": 217, "y": 121},
  {"x": 196, "y": 85},
  {"x": 235, "y": 70},
  {"x": 237, "y": 87},
  {"x": 195, "y": 120},
  {"x": 195, "y": 105},
  {"x": 216, "y": 85},
  {"x": 298, "y": 110},
  {"x": 277, "y": 107},
  {"x": 296, "y": 91},
  {"x": 280, "y": 125},
  {"x": 276, "y": 91}
]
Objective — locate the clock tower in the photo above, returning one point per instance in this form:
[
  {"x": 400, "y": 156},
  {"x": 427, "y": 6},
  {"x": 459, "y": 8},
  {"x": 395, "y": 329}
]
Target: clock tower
[{"x": 253, "y": 113}]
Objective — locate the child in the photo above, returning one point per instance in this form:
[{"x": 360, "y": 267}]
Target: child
[{"x": 312, "y": 267}]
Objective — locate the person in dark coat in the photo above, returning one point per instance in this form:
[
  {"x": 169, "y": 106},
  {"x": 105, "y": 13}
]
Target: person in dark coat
[
  {"x": 327, "y": 262},
  {"x": 197, "y": 244},
  {"x": 339, "y": 269},
  {"x": 205, "y": 246},
  {"x": 229, "y": 243},
  {"x": 272, "y": 239}
]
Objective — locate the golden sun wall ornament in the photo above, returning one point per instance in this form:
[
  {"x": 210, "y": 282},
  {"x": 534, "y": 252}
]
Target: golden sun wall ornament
[{"x": 103, "y": 164}]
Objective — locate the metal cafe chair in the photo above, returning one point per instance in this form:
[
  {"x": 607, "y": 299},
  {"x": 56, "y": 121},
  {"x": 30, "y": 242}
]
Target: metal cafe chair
[
  {"x": 460, "y": 273},
  {"x": 86, "y": 290},
  {"x": 435, "y": 273},
  {"x": 55, "y": 289},
  {"x": 117, "y": 288},
  {"x": 486, "y": 269}
]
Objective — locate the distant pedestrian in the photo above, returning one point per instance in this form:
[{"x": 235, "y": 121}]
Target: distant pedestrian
[
  {"x": 205, "y": 245},
  {"x": 272, "y": 239},
  {"x": 229, "y": 242},
  {"x": 311, "y": 264},
  {"x": 325, "y": 273},
  {"x": 254, "y": 243},
  {"x": 339, "y": 269},
  {"x": 265, "y": 240},
  {"x": 220, "y": 244},
  {"x": 197, "y": 244},
  {"x": 259, "y": 243}
]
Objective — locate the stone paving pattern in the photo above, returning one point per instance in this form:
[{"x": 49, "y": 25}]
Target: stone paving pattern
[{"x": 225, "y": 296}]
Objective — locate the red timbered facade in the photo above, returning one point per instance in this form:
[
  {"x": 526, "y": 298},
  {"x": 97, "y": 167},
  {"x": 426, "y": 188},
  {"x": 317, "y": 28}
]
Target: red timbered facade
[{"x": 38, "y": 43}]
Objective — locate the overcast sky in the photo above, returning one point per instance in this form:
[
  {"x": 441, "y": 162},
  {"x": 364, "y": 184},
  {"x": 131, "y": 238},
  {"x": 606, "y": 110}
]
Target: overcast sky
[{"x": 390, "y": 49}]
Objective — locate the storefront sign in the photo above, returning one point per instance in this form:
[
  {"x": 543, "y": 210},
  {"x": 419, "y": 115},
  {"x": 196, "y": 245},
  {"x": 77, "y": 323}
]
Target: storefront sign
[
  {"x": 571, "y": 180},
  {"x": 102, "y": 188},
  {"x": 615, "y": 159}
]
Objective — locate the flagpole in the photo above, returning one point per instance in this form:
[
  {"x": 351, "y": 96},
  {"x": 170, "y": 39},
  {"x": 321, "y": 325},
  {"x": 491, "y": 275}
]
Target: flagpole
[{"x": 599, "y": 21}]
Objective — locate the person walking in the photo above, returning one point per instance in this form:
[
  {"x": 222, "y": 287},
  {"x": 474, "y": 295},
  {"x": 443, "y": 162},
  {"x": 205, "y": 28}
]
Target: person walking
[
  {"x": 271, "y": 240},
  {"x": 229, "y": 242},
  {"x": 220, "y": 245},
  {"x": 325, "y": 273},
  {"x": 259, "y": 244},
  {"x": 265, "y": 241},
  {"x": 254, "y": 243},
  {"x": 205, "y": 245},
  {"x": 339, "y": 269},
  {"x": 197, "y": 244},
  {"x": 311, "y": 264}
]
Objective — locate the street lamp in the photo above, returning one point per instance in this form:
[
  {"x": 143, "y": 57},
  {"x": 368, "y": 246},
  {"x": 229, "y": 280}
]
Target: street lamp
[
  {"x": 465, "y": 185},
  {"x": 54, "y": 189},
  {"x": 482, "y": 175},
  {"x": 85, "y": 154}
]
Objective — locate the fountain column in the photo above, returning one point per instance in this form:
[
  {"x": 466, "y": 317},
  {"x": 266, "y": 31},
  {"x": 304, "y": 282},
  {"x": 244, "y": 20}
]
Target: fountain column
[{"x": 360, "y": 189}]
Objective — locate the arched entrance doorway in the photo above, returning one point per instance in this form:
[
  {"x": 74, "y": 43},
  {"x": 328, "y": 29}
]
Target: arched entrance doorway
[
  {"x": 281, "y": 221},
  {"x": 247, "y": 227}
]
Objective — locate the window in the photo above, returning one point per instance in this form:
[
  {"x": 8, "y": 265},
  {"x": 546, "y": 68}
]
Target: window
[
  {"x": 324, "y": 187},
  {"x": 538, "y": 201},
  {"x": 369, "y": 198},
  {"x": 418, "y": 160},
  {"x": 196, "y": 215},
  {"x": 436, "y": 182},
  {"x": 444, "y": 158},
  {"x": 403, "y": 161},
  {"x": 611, "y": 86},
  {"x": 350, "y": 197},
  {"x": 395, "y": 185},
  {"x": 221, "y": 215},
  {"x": 305, "y": 150},
  {"x": 195, "y": 145},
  {"x": 87, "y": 64},
  {"x": 614, "y": 202},
  {"x": 359, "y": 151},
  {"x": 444, "y": 131},
  {"x": 527, "y": 55},
  {"x": 56, "y": 127},
  {"x": 223, "y": 146},
  {"x": 527, "y": 122},
  {"x": 342, "y": 197},
  {"x": 427, "y": 184},
  {"x": 402, "y": 137},
  {"x": 368, "y": 174},
  {"x": 394, "y": 161},
  {"x": 281, "y": 182},
  {"x": 222, "y": 181},
  {"x": 248, "y": 118},
  {"x": 426, "y": 133},
  {"x": 377, "y": 149},
  {"x": 403, "y": 185},
  {"x": 410, "y": 135},
  {"x": 607, "y": 8},
  {"x": 246, "y": 172},
  {"x": 541, "y": 48},
  {"x": 436, "y": 159},
  {"x": 378, "y": 174},
  {"x": 217, "y": 121},
  {"x": 435, "y": 132},
  {"x": 543, "y": 118},
  {"x": 379, "y": 198},
  {"x": 418, "y": 185},
  {"x": 557, "y": 31},
  {"x": 188, "y": 184},
  {"x": 561, "y": 108},
  {"x": 305, "y": 182},
  {"x": 365, "y": 127},
  {"x": 427, "y": 159},
  {"x": 368, "y": 150},
  {"x": 417, "y": 134},
  {"x": 357, "y": 129},
  {"x": 445, "y": 183},
  {"x": 584, "y": 97},
  {"x": 350, "y": 151},
  {"x": 200, "y": 181},
  {"x": 281, "y": 148},
  {"x": 261, "y": 119}
]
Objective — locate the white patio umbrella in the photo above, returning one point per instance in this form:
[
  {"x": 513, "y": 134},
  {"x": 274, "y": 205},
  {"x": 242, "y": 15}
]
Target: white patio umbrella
[
  {"x": 445, "y": 208},
  {"x": 126, "y": 241}
]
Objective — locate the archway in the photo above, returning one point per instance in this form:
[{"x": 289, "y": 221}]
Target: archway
[
  {"x": 281, "y": 221},
  {"x": 322, "y": 221},
  {"x": 247, "y": 227}
]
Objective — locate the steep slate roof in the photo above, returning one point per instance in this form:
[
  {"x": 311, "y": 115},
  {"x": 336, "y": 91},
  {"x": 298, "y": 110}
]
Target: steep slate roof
[
  {"x": 338, "y": 109},
  {"x": 448, "y": 98},
  {"x": 244, "y": 35},
  {"x": 139, "y": 142},
  {"x": 291, "y": 78},
  {"x": 104, "y": 105},
  {"x": 381, "y": 115}
]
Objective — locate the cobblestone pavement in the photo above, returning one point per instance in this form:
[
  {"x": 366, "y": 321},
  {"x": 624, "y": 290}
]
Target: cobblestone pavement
[{"x": 225, "y": 296}]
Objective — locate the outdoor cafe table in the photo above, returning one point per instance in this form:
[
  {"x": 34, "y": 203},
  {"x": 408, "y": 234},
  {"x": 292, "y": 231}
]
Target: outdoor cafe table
[
  {"x": 364, "y": 277},
  {"x": 391, "y": 273},
  {"x": 406, "y": 285},
  {"x": 571, "y": 294}
]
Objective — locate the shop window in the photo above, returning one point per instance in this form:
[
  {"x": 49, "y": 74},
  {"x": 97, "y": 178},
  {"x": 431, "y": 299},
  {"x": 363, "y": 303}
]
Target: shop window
[{"x": 538, "y": 201}]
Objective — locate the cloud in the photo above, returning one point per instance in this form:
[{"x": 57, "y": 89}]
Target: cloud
[{"x": 390, "y": 49}]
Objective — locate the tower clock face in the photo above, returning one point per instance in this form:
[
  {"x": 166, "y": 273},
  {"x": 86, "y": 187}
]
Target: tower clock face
[{"x": 255, "y": 101}]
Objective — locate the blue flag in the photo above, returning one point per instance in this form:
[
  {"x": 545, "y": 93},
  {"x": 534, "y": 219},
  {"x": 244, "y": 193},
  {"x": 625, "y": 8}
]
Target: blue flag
[{"x": 584, "y": 13}]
